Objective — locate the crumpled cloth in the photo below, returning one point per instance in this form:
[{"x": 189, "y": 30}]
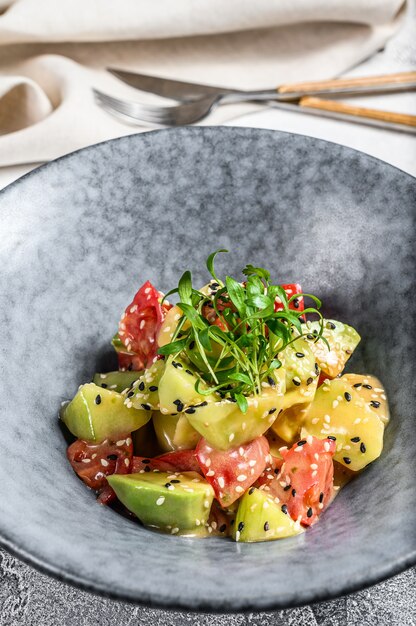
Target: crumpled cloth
[{"x": 52, "y": 54}]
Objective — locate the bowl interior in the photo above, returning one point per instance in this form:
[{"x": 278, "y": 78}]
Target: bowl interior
[{"x": 78, "y": 237}]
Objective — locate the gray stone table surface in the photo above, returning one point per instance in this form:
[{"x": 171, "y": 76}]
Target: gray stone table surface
[{"x": 29, "y": 598}]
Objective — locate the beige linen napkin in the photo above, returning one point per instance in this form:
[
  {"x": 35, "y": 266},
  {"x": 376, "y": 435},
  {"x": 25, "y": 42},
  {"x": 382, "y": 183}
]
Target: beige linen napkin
[{"x": 52, "y": 54}]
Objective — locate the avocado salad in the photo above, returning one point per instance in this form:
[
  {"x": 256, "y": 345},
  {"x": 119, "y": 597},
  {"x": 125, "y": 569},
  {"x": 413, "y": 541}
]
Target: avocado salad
[{"x": 230, "y": 413}]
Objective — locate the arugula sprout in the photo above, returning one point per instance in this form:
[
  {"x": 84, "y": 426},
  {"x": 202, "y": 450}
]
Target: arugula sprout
[{"x": 240, "y": 351}]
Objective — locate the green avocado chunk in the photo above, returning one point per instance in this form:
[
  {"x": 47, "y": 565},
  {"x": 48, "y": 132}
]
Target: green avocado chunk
[
  {"x": 339, "y": 411},
  {"x": 96, "y": 414},
  {"x": 342, "y": 339},
  {"x": 302, "y": 374},
  {"x": 224, "y": 425},
  {"x": 260, "y": 518},
  {"x": 178, "y": 502},
  {"x": 116, "y": 381}
]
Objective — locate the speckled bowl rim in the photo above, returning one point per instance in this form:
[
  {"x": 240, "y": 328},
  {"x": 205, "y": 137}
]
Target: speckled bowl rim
[{"x": 391, "y": 568}]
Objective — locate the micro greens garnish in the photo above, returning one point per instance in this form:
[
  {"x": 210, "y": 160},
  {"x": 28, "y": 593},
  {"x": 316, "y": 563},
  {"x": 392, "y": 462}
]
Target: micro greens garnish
[{"x": 241, "y": 349}]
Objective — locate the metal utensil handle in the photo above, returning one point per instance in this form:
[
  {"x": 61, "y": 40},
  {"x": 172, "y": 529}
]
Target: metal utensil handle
[
  {"x": 349, "y": 109},
  {"x": 401, "y": 80}
]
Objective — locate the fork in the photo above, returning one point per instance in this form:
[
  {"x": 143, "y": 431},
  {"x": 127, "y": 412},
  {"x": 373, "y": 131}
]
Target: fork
[{"x": 191, "y": 111}]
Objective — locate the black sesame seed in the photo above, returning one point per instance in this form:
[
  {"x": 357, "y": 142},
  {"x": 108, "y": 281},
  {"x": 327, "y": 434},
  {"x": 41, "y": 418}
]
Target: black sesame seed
[
  {"x": 175, "y": 480},
  {"x": 223, "y": 528},
  {"x": 240, "y": 526},
  {"x": 375, "y": 404},
  {"x": 146, "y": 407},
  {"x": 286, "y": 488},
  {"x": 147, "y": 469},
  {"x": 309, "y": 336},
  {"x": 189, "y": 372},
  {"x": 112, "y": 457},
  {"x": 321, "y": 497},
  {"x": 300, "y": 355},
  {"x": 130, "y": 394},
  {"x": 302, "y": 321},
  {"x": 284, "y": 508},
  {"x": 330, "y": 325},
  {"x": 276, "y": 470},
  {"x": 190, "y": 410},
  {"x": 266, "y": 526},
  {"x": 251, "y": 490},
  {"x": 332, "y": 438},
  {"x": 130, "y": 367},
  {"x": 357, "y": 385},
  {"x": 153, "y": 388},
  {"x": 214, "y": 285},
  {"x": 296, "y": 382},
  {"x": 293, "y": 492},
  {"x": 309, "y": 381},
  {"x": 363, "y": 448},
  {"x": 347, "y": 396},
  {"x": 146, "y": 461},
  {"x": 346, "y": 460},
  {"x": 180, "y": 407},
  {"x": 167, "y": 485},
  {"x": 316, "y": 369},
  {"x": 296, "y": 303},
  {"x": 367, "y": 386},
  {"x": 272, "y": 411},
  {"x": 232, "y": 522},
  {"x": 141, "y": 386},
  {"x": 309, "y": 512},
  {"x": 271, "y": 381},
  {"x": 97, "y": 399},
  {"x": 302, "y": 442},
  {"x": 103, "y": 385},
  {"x": 192, "y": 345},
  {"x": 205, "y": 403},
  {"x": 177, "y": 402},
  {"x": 348, "y": 351},
  {"x": 355, "y": 439}
]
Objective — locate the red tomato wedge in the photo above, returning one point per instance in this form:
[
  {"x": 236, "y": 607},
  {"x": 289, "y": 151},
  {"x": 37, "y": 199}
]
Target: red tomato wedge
[
  {"x": 297, "y": 304},
  {"x": 139, "y": 326},
  {"x": 305, "y": 482},
  {"x": 233, "y": 471},
  {"x": 93, "y": 462},
  {"x": 179, "y": 461}
]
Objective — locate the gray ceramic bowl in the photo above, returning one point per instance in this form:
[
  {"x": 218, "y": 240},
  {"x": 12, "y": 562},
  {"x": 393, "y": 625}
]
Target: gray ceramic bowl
[{"x": 79, "y": 235}]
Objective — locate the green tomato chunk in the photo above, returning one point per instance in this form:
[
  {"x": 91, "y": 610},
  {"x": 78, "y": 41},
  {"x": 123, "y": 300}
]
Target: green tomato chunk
[
  {"x": 96, "y": 414},
  {"x": 178, "y": 502},
  {"x": 339, "y": 411},
  {"x": 302, "y": 374},
  {"x": 224, "y": 425},
  {"x": 116, "y": 381},
  {"x": 342, "y": 340},
  {"x": 260, "y": 518}
]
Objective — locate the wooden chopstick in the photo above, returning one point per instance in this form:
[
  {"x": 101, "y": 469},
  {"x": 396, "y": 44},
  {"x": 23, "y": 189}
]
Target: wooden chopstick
[{"x": 311, "y": 87}]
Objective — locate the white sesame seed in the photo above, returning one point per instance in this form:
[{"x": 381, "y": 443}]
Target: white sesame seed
[
  {"x": 86, "y": 461},
  {"x": 126, "y": 462},
  {"x": 314, "y": 473},
  {"x": 313, "y": 466},
  {"x": 321, "y": 505},
  {"x": 196, "y": 480},
  {"x": 357, "y": 421},
  {"x": 378, "y": 389},
  {"x": 103, "y": 376},
  {"x": 197, "y": 522},
  {"x": 160, "y": 500},
  {"x": 347, "y": 447},
  {"x": 241, "y": 451},
  {"x": 206, "y": 504},
  {"x": 243, "y": 426},
  {"x": 252, "y": 463},
  {"x": 104, "y": 463},
  {"x": 147, "y": 290},
  {"x": 133, "y": 309},
  {"x": 316, "y": 455},
  {"x": 265, "y": 505},
  {"x": 282, "y": 483},
  {"x": 120, "y": 443},
  {"x": 283, "y": 449},
  {"x": 239, "y": 489},
  {"x": 175, "y": 530},
  {"x": 207, "y": 462},
  {"x": 221, "y": 482},
  {"x": 231, "y": 437},
  {"x": 327, "y": 418},
  {"x": 241, "y": 478},
  {"x": 142, "y": 324},
  {"x": 309, "y": 439},
  {"x": 214, "y": 525},
  {"x": 365, "y": 420},
  {"x": 335, "y": 404},
  {"x": 327, "y": 447},
  {"x": 383, "y": 396},
  {"x": 210, "y": 473},
  {"x": 237, "y": 535}
]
